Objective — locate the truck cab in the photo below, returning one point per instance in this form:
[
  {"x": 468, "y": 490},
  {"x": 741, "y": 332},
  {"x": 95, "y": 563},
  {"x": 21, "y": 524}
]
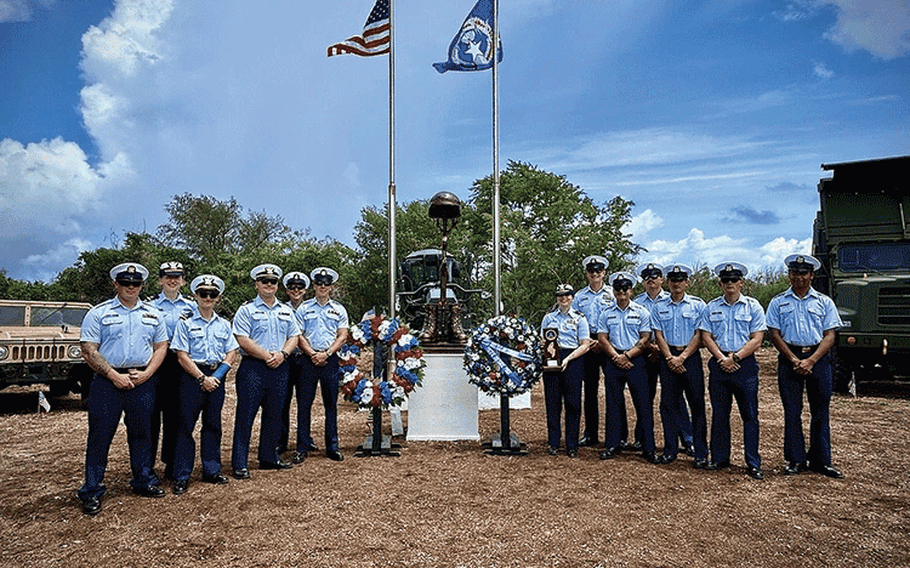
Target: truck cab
[{"x": 862, "y": 238}]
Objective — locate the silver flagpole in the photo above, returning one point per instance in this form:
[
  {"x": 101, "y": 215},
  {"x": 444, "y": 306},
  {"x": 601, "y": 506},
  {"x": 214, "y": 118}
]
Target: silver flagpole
[
  {"x": 392, "y": 200},
  {"x": 497, "y": 264}
]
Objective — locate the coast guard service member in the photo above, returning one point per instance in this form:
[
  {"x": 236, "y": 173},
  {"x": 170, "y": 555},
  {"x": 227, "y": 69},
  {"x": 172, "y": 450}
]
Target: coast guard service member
[
  {"x": 674, "y": 319},
  {"x": 166, "y": 418},
  {"x": 564, "y": 386},
  {"x": 324, "y": 329},
  {"x": 590, "y": 300},
  {"x": 206, "y": 349},
  {"x": 624, "y": 331},
  {"x": 802, "y": 323},
  {"x": 732, "y": 328},
  {"x": 124, "y": 341},
  {"x": 296, "y": 284},
  {"x": 267, "y": 333}
]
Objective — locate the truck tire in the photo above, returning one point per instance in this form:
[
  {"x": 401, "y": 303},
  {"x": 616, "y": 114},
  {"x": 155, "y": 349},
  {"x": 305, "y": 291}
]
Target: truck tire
[{"x": 844, "y": 377}]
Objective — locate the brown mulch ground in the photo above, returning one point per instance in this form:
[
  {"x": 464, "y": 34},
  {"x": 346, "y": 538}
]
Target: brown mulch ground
[{"x": 449, "y": 504}]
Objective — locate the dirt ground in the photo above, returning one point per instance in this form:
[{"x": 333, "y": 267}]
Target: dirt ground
[{"x": 449, "y": 504}]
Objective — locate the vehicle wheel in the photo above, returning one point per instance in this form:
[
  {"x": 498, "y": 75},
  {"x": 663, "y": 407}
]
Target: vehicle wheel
[{"x": 844, "y": 377}]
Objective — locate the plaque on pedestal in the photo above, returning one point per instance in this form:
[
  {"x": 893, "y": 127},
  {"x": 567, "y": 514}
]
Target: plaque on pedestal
[
  {"x": 445, "y": 407},
  {"x": 552, "y": 361}
]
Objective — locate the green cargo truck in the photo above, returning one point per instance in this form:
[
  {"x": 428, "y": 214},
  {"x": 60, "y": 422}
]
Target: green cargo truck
[{"x": 862, "y": 238}]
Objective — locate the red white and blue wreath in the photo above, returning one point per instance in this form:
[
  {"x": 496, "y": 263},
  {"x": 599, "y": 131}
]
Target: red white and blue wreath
[
  {"x": 503, "y": 356},
  {"x": 371, "y": 392}
]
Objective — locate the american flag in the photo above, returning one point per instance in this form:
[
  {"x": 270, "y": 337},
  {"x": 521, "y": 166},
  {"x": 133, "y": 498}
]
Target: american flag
[{"x": 375, "y": 37}]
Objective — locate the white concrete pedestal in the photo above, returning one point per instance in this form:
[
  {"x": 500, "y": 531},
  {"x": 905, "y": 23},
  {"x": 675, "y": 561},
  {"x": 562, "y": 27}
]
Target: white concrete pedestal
[{"x": 445, "y": 407}]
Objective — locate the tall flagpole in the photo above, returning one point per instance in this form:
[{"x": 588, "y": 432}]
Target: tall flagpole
[
  {"x": 392, "y": 201},
  {"x": 497, "y": 265}
]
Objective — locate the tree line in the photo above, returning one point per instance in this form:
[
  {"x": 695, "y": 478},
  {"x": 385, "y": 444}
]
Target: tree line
[{"x": 547, "y": 226}]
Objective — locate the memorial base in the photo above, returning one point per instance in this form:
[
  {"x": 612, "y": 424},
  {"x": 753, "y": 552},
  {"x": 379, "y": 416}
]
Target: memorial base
[
  {"x": 495, "y": 447},
  {"x": 384, "y": 448},
  {"x": 445, "y": 407}
]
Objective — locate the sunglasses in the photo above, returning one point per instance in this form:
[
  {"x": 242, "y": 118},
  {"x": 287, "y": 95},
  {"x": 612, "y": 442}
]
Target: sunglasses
[
  {"x": 677, "y": 278},
  {"x": 622, "y": 287},
  {"x": 594, "y": 270},
  {"x": 207, "y": 293},
  {"x": 563, "y": 295},
  {"x": 729, "y": 279},
  {"x": 321, "y": 282},
  {"x": 653, "y": 277},
  {"x": 130, "y": 284},
  {"x": 296, "y": 287},
  {"x": 269, "y": 281}
]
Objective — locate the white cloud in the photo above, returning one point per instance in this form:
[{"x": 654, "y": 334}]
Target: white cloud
[
  {"x": 46, "y": 265},
  {"x": 881, "y": 27},
  {"x": 640, "y": 225},
  {"x": 20, "y": 10},
  {"x": 821, "y": 71}
]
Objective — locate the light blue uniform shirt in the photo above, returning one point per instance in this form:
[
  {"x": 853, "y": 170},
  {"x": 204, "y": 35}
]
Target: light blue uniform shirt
[
  {"x": 803, "y": 321},
  {"x": 678, "y": 321},
  {"x": 206, "y": 341},
  {"x": 268, "y": 327},
  {"x": 320, "y": 323},
  {"x": 572, "y": 326},
  {"x": 731, "y": 325},
  {"x": 173, "y": 310},
  {"x": 125, "y": 337},
  {"x": 591, "y": 303},
  {"x": 646, "y": 301},
  {"x": 624, "y": 326}
]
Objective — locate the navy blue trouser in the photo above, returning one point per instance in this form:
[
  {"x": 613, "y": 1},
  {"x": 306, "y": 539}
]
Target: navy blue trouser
[
  {"x": 295, "y": 367},
  {"x": 672, "y": 386},
  {"x": 564, "y": 388},
  {"x": 258, "y": 386},
  {"x": 106, "y": 403},
  {"x": 818, "y": 388},
  {"x": 723, "y": 388},
  {"x": 195, "y": 402},
  {"x": 637, "y": 378},
  {"x": 166, "y": 416},
  {"x": 592, "y": 364},
  {"x": 327, "y": 376}
]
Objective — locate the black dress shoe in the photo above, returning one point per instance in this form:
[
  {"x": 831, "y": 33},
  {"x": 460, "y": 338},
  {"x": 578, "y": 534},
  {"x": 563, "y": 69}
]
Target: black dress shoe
[
  {"x": 827, "y": 471},
  {"x": 217, "y": 479},
  {"x": 755, "y": 473},
  {"x": 667, "y": 459},
  {"x": 91, "y": 506},
  {"x": 689, "y": 450},
  {"x": 153, "y": 491},
  {"x": 712, "y": 466},
  {"x": 587, "y": 442},
  {"x": 334, "y": 455},
  {"x": 313, "y": 448},
  {"x": 607, "y": 453},
  {"x": 627, "y": 447},
  {"x": 280, "y": 464},
  {"x": 552, "y": 450},
  {"x": 242, "y": 473},
  {"x": 651, "y": 457},
  {"x": 793, "y": 468},
  {"x": 298, "y": 457},
  {"x": 573, "y": 453},
  {"x": 700, "y": 464},
  {"x": 181, "y": 486}
]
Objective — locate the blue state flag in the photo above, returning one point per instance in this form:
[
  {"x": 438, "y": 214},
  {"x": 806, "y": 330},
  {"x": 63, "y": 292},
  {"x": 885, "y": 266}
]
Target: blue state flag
[{"x": 472, "y": 48}]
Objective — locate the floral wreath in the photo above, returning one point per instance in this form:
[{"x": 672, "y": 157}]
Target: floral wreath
[
  {"x": 502, "y": 356},
  {"x": 371, "y": 392}
]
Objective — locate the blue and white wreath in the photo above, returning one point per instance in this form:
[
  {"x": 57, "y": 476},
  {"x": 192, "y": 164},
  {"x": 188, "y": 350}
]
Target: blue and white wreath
[{"x": 503, "y": 356}]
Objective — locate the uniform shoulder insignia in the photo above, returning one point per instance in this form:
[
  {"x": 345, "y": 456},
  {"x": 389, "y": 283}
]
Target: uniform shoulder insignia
[{"x": 186, "y": 315}]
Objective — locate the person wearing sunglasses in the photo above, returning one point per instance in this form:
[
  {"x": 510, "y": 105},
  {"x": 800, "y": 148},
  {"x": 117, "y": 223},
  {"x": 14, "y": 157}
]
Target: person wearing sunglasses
[
  {"x": 674, "y": 319},
  {"x": 590, "y": 300},
  {"x": 124, "y": 341},
  {"x": 732, "y": 329},
  {"x": 295, "y": 284},
  {"x": 267, "y": 332},
  {"x": 166, "y": 418},
  {"x": 563, "y": 386},
  {"x": 324, "y": 329},
  {"x": 206, "y": 350},
  {"x": 803, "y": 324},
  {"x": 624, "y": 331}
]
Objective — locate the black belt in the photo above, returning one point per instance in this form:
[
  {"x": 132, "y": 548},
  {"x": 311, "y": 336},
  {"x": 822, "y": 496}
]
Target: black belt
[
  {"x": 802, "y": 348},
  {"x": 123, "y": 370},
  {"x": 675, "y": 350},
  {"x": 205, "y": 366}
]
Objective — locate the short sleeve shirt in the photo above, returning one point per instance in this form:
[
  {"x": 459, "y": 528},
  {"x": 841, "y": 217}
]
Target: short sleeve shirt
[
  {"x": 173, "y": 310},
  {"x": 591, "y": 303},
  {"x": 268, "y": 326},
  {"x": 205, "y": 341},
  {"x": 125, "y": 336},
  {"x": 732, "y": 325},
  {"x": 803, "y": 321},
  {"x": 572, "y": 325},
  {"x": 677, "y": 321},
  {"x": 624, "y": 326},
  {"x": 320, "y": 323}
]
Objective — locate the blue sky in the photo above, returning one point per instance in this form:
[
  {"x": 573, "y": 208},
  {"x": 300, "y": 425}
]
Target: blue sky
[{"x": 713, "y": 117}]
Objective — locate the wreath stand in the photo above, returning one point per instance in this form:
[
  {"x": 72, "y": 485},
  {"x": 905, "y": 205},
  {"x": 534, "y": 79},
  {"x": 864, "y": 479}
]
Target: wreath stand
[
  {"x": 505, "y": 442},
  {"x": 377, "y": 444}
]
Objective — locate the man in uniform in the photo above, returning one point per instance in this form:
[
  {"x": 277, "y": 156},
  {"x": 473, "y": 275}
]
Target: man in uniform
[
  {"x": 124, "y": 341},
  {"x": 802, "y": 323},
  {"x": 324, "y": 329},
  {"x": 267, "y": 332},
  {"x": 624, "y": 331},
  {"x": 166, "y": 418},
  {"x": 296, "y": 284},
  {"x": 590, "y": 300},
  {"x": 674, "y": 319},
  {"x": 732, "y": 328}
]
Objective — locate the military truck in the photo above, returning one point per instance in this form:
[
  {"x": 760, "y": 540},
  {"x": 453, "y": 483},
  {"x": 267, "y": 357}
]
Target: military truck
[
  {"x": 39, "y": 343},
  {"x": 862, "y": 238}
]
